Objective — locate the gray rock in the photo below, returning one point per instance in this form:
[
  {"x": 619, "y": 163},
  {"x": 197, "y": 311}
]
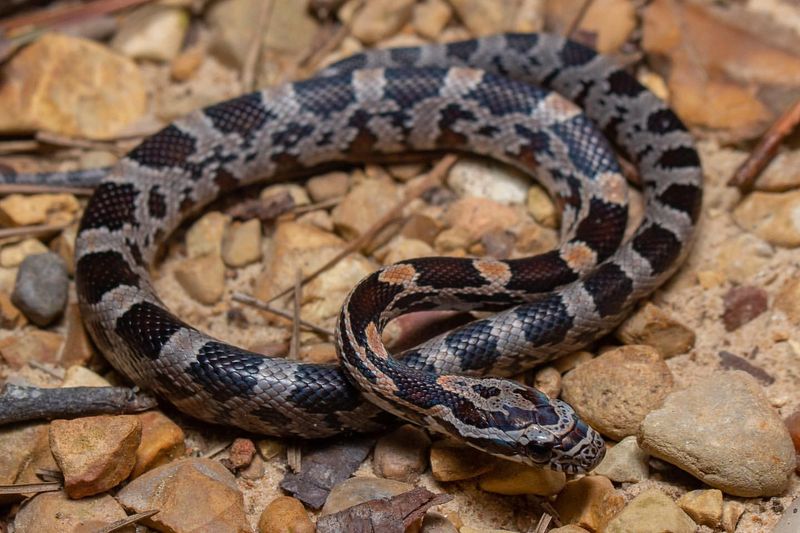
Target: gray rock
[
  {"x": 402, "y": 455},
  {"x": 40, "y": 290},
  {"x": 724, "y": 432},
  {"x": 625, "y": 462}
]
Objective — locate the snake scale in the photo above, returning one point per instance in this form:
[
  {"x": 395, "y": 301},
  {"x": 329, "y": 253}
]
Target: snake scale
[{"x": 497, "y": 96}]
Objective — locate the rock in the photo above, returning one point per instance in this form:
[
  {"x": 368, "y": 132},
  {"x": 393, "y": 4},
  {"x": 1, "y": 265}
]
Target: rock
[
  {"x": 188, "y": 61},
  {"x": 55, "y": 511},
  {"x": 18, "y": 444},
  {"x": 742, "y": 257},
  {"x": 793, "y": 425},
  {"x": 616, "y": 390},
  {"x": 402, "y": 248},
  {"x": 10, "y": 316},
  {"x": 436, "y": 523},
  {"x": 453, "y": 239},
  {"x": 406, "y": 172},
  {"x": 692, "y": 430},
  {"x": 241, "y": 244},
  {"x": 610, "y": 22},
  {"x": 624, "y": 462},
  {"x": 788, "y": 300},
  {"x": 498, "y": 244},
  {"x": 421, "y": 227},
  {"x": 548, "y": 380},
  {"x": 479, "y": 216},
  {"x": 565, "y": 363},
  {"x": 703, "y": 506},
  {"x": 380, "y": 19},
  {"x": 321, "y": 352},
  {"x": 39, "y": 346},
  {"x": 488, "y": 179},
  {"x": 77, "y": 346},
  {"x": 568, "y": 529},
  {"x": 240, "y": 454},
  {"x": 285, "y": 515},
  {"x": 328, "y": 186},
  {"x": 651, "y": 512},
  {"x": 731, "y": 361},
  {"x": 204, "y": 237},
  {"x": 364, "y": 205},
  {"x": 291, "y": 28},
  {"x": 588, "y": 502},
  {"x": 731, "y": 512},
  {"x": 40, "y": 290},
  {"x": 154, "y": 32},
  {"x": 80, "y": 376},
  {"x": 359, "y": 490},
  {"x": 273, "y": 194},
  {"x": 191, "y": 494},
  {"x": 486, "y": 18},
  {"x": 14, "y": 254},
  {"x": 430, "y": 17},
  {"x": 652, "y": 326},
  {"x": 269, "y": 448},
  {"x": 514, "y": 479},
  {"x": 71, "y": 86},
  {"x": 774, "y": 217},
  {"x": 318, "y": 218},
  {"x": 255, "y": 470},
  {"x": 541, "y": 207},
  {"x": 95, "y": 453},
  {"x": 162, "y": 442},
  {"x": 452, "y": 461},
  {"x": 743, "y": 304},
  {"x": 781, "y": 174},
  {"x": 402, "y": 454},
  {"x": 323, "y": 296},
  {"x": 203, "y": 278},
  {"x": 534, "y": 239}
]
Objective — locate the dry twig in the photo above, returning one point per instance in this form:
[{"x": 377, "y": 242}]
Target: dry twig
[
  {"x": 264, "y": 306},
  {"x": 745, "y": 176},
  {"x": 24, "y": 188},
  {"x": 576, "y": 22},
  {"x": 254, "y": 50},
  {"x": 132, "y": 519},
  {"x": 294, "y": 346},
  {"x": 29, "y": 488},
  {"x": 31, "y": 231},
  {"x": 67, "y": 13}
]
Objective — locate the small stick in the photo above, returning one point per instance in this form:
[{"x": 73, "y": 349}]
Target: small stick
[
  {"x": 56, "y": 139},
  {"x": 67, "y": 13},
  {"x": 434, "y": 177},
  {"x": 294, "y": 345},
  {"x": 253, "y": 51},
  {"x": 255, "y": 302},
  {"x": 18, "y": 404},
  {"x": 29, "y": 488},
  {"x": 745, "y": 176},
  {"x": 31, "y": 231},
  {"x": 132, "y": 519},
  {"x": 294, "y": 458},
  {"x": 301, "y": 209},
  {"x": 15, "y": 147},
  {"x": 25, "y": 188}
]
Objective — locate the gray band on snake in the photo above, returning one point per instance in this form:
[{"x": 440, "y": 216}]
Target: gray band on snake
[{"x": 477, "y": 96}]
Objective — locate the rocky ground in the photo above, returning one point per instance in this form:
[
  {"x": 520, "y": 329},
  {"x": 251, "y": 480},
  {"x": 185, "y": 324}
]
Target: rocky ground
[{"x": 696, "y": 392}]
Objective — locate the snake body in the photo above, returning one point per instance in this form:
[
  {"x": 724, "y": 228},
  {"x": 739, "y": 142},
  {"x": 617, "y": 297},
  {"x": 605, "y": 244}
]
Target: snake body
[{"x": 479, "y": 96}]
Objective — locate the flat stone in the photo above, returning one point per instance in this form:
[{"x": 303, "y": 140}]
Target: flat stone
[
  {"x": 321, "y": 352},
  {"x": 741, "y": 257},
  {"x": 95, "y": 453},
  {"x": 588, "y": 502},
  {"x": 731, "y": 513},
  {"x": 291, "y": 28},
  {"x": 402, "y": 454},
  {"x": 610, "y": 22},
  {"x": 571, "y": 528},
  {"x": 692, "y": 430},
  {"x": 488, "y": 179},
  {"x": 323, "y": 296},
  {"x": 204, "y": 237},
  {"x": 548, "y": 380},
  {"x": 430, "y": 17},
  {"x": 452, "y": 461},
  {"x": 514, "y": 479},
  {"x": 775, "y": 217},
  {"x": 788, "y": 300},
  {"x": 154, "y": 32},
  {"x": 18, "y": 444},
  {"x": 651, "y": 512},
  {"x": 285, "y": 515},
  {"x": 40, "y": 290},
  {"x": 162, "y": 442},
  {"x": 743, "y": 304},
  {"x": 203, "y": 278},
  {"x": 479, "y": 216},
  {"x": 703, "y": 506},
  {"x": 541, "y": 207},
  {"x": 328, "y": 186},
  {"x": 624, "y": 462},
  {"x": 436, "y": 523},
  {"x": 421, "y": 227},
  {"x": 55, "y": 511},
  {"x": 380, "y": 19},
  {"x": 191, "y": 494},
  {"x": 80, "y": 376},
  {"x": 78, "y": 349},
  {"x": 241, "y": 244},
  {"x": 27, "y": 210},
  {"x": 364, "y": 205},
  {"x": 793, "y": 425},
  {"x": 296, "y": 193},
  {"x": 71, "y": 86},
  {"x": 10, "y": 316},
  {"x": 652, "y": 326},
  {"x": 402, "y": 248},
  {"x": 37, "y": 345},
  {"x": 358, "y": 490},
  {"x": 13, "y": 255},
  {"x": 486, "y": 18},
  {"x": 616, "y": 390}
]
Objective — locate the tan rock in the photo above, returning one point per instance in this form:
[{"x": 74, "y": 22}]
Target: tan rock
[
  {"x": 18, "y": 444},
  {"x": 453, "y": 239},
  {"x": 269, "y": 448},
  {"x": 430, "y": 17},
  {"x": 323, "y": 296},
  {"x": 13, "y": 255},
  {"x": 436, "y": 523},
  {"x": 541, "y": 207},
  {"x": 589, "y": 502},
  {"x": 535, "y": 239},
  {"x": 188, "y": 61},
  {"x": 616, "y": 390},
  {"x": 380, "y": 19},
  {"x": 162, "y": 442},
  {"x": 291, "y": 28},
  {"x": 285, "y": 515},
  {"x": 64, "y": 245},
  {"x": 77, "y": 348},
  {"x": 357, "y": 490},
  {"x": 421, "y": 227},
  {"x": 37, "y": 345},
  {"x": 610, "y": 21},
  {"x": 479, "y": 216},
  {"x": 321, "y": 352},
  {"x": 80, "y": 376},
  {"x": 548, "y": 380},
  {"x": 486, "y": 18},
  {"x": 571, "y": 528},
  {"x": 203, "y": 278},
  {"x": 55, "y": 511},
  {"x": 775, "y": 217},
  {"x": 204, "y": 237},
  {"x": 95, "y": 453},
  {"x": 781, "y": 174},
  {"x": 624, "y": 462},
  {"x": 731, "y": 512},
  {"x": 452, "y": 461},
  {"x": 565, "y": 363},
  {"x": 328, "y": 186},
  {"x": 402, "y": 248},
  {"x": 788, "y": 300},
  {"x": 488, "y": 179},
  {"x": 318, "y": 218},
  {"x": 514, "y": 479},
  {"x": 294, "y": 191},
  {"x": 651, "y": 512},
  {"x": 652, "y": 326},
  {"x": 740, "y": 258},
  {"x": 71, "y": 86},
  {"x": 241, "y": 244},
  {"x": 703, "y": 506},
  {"x": 154, "y": 32},
  {"x": 402, "y": 454},
  {"x": 10, "y": 316},
  {"x": 191, "y": 494},
  {"x": 364, "y": 205}
]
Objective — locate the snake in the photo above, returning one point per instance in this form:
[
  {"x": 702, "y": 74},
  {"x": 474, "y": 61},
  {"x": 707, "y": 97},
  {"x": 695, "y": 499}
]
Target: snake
[{"x": 547, "y": 105}]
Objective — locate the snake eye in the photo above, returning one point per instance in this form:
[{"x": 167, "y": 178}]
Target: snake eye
[{"x": 539, "y": 452}]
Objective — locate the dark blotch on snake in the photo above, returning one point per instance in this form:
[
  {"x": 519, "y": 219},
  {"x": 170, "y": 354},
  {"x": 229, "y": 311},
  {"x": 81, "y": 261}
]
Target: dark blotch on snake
[
  {"x": 101, "y": 272},
  {"x": 148, "y": 328},
  {"x": 609, "y": 287}
]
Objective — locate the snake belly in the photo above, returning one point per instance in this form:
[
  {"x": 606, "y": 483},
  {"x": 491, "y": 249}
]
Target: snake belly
[{"x": 479, "y": 96}]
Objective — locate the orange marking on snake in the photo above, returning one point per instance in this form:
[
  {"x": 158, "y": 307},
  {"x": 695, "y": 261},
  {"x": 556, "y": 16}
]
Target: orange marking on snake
[
  {"x": 578, "y": 256},
  {"x": 493, "y": 271},
  {"x": 401, "y": 274}
]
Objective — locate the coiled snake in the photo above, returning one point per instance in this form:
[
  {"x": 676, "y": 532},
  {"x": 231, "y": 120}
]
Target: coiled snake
[{"x": 386, "y": 102}]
